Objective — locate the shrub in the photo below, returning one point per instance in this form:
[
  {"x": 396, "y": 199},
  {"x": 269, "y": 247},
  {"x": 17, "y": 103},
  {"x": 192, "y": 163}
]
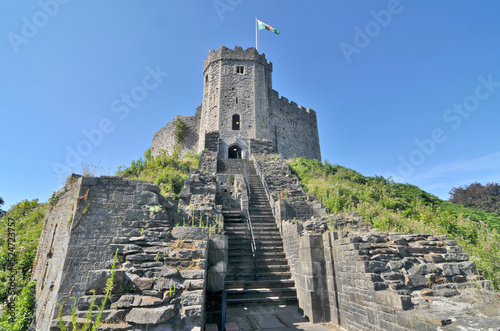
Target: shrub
[{"x": 166, "y": 171}]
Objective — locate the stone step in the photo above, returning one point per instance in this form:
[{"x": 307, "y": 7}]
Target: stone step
[
  {"x": 249, "y": 268},
  {"x": 260, "y": 250},
  {"x": 266, "y": 226},
  {"x": 238, "y": 255},
  {"x": 259, "y": 276},
  {"x": 260, "y": 292},
  {"x": 262, "y": 301},
  {"x": 269, "y": 283},
  {"x": 248, "y": 260}
]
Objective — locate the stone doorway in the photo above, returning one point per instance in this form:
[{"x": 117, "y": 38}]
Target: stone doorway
[{"x": 234, "y": 152}]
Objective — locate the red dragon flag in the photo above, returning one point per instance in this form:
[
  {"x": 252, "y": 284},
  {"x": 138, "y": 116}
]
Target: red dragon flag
[{"x": 263, "y": 26}]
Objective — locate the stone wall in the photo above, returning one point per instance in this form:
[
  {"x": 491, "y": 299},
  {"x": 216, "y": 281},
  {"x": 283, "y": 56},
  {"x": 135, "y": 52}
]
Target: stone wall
[
  {"x": 92, "y": 219},
  {"x": 295, "y": 128},
  {"x": 361, "y": 279},
  {"x": 165, "y": 138},
  {"x": 50, "y": 260}
]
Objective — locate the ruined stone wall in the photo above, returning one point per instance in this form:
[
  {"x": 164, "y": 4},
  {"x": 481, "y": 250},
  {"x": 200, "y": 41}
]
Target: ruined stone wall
[
  {"x": 400, "y": 281},
  {"x": 165, "y": 138},
  {"x": 92, "y": 219},
  {"x": 49, "y": 259}
]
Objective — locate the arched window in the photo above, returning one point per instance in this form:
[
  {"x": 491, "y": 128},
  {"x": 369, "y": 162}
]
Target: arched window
[{"x": 236, "y": 122}]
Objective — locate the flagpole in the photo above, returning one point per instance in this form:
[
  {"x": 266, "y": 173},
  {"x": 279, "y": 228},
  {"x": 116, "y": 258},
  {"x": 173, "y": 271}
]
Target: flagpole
[{"x": 256, "y": 40}]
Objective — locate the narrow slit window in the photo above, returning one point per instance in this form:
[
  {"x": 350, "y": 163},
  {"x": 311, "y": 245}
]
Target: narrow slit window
[
  {"x": 206, "y": 79},
  {"x": 236, "y": 122},
  {"x": 240, "y": 69},
  {"x": 236, "y": 99}
]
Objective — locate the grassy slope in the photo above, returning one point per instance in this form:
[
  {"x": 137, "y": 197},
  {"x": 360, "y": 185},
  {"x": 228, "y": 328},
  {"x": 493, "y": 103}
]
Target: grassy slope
[
  {"x": 29, "y": 218},
  {"x": 404, "y": 208}
]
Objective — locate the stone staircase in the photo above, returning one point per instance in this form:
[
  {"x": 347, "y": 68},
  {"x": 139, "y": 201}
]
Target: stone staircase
[{"x": 267, "y": 278}]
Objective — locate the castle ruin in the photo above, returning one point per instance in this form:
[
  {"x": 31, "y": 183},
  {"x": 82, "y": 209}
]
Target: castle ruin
[{"x": 243, "y": 233}]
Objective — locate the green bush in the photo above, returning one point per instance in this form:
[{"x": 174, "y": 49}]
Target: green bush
[
  {"x": 395, "y": 207},
  {"x": 24, "y": 308},
  {"x": 29, "y": 218},
  {"x": 166, "y": 171},
  {"x": 180, "y": 130}
]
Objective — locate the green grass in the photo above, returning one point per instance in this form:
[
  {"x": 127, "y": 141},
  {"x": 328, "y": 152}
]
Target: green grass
[
  {"x": 397, "y": 207},
  {"x": 166, "y": 171}
]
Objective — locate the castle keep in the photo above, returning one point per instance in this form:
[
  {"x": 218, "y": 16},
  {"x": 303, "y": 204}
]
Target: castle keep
[{"x": 239, "y": 102}]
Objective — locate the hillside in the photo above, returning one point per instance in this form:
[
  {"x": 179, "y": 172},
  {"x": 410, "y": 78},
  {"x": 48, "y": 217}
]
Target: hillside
[
  {"x": 29, "y": 218},
  {"x": 395, "y": 207},
  {"x": 387, "y": 205}
]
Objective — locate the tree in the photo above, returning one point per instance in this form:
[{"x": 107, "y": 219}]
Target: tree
[
  {"x": 483, "y": 197},
  {"x": 1, "y": 203}
]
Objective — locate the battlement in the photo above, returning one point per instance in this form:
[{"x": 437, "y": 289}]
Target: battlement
[
  {"x": 238, "y": 53},
  {"x": 284, "y": 102}
]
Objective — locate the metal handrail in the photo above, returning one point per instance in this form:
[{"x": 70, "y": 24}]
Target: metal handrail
[
  {"x": 249, "y": 220},
  {"x": 245, "y": 174},
  {"x": 264, "y": 184}
]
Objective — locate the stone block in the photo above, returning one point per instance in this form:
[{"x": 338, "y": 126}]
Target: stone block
[
  {"x": 151, "y": 315},
  {"x": 415, "y": 280},
  {"x": 431, "y": 319},
  {"x": 97, "y": 279},
  {"x": 434, "y": 258},
  {"x": 148, "y": 187},
  {"x": 84, "y": 302},
  {"x": 373, "y": 266},
  {"x": 311, "y": 241},
  {"x": 188, "y": 232},
  {"x": 450, "y": 269},
  {"x": 164, "y": 284},
  {"x": 89, "y": 181},
  {"x": 391, "y": 299},
  {"x": 143, "y": 283},
  {"x": 423, "y": 269},
  {"x": 146, "y": 198},
  {"x": 311, "y": 254},
  {"x": 191, "y": 298},
  {"x": 468, "y": 268},
  {"x": 126, "y": 249},
  {"x": 193, "y": 311},
  {"x": 193, "y": 274}
]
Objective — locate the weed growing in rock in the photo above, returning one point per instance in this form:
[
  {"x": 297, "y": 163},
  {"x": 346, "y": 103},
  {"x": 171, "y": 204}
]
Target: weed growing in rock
[
  {"x": 154, "y": 209},
  {"x": 88, "y": 324}
]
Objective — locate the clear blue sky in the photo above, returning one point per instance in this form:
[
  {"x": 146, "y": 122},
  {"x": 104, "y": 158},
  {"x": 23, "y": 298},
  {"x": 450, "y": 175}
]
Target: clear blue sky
[{"x": 409, "y": 89}]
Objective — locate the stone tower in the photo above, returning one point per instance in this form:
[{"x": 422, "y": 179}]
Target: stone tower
[{"x": 240, "y": 104}]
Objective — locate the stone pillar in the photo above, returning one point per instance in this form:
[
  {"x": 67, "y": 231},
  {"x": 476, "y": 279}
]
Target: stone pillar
[
  {"x": 331, "y": 280},
  {"x": 312, "y": 290},
  {"x": 217, "y": 262}
]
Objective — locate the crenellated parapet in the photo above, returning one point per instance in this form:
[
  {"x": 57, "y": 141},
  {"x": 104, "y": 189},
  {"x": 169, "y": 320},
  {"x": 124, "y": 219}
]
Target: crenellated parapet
[
  {"x": 291, "y": 105},
  {"x": 238, "y": 54}
]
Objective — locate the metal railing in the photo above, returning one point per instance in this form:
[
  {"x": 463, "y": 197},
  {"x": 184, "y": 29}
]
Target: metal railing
[
  {"x": 268, "y": 193},
  {"x": 249, "y": 220}
]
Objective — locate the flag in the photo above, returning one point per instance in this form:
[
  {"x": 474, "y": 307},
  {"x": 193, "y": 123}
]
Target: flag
[{"x": 263, "y": 25}]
